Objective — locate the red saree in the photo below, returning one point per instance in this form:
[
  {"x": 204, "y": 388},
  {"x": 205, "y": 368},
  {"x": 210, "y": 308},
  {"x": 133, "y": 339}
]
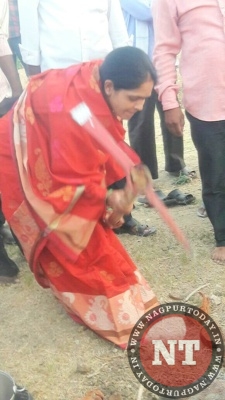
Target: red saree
[{"x": 53, "y": 179}]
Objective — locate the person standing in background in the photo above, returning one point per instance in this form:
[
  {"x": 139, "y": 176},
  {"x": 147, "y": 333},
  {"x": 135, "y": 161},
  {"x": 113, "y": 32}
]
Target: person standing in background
[
  {"x": 141, "y": 127},
  {"x": 202, "y": 65},
  {"x": 58, "y": 34}
]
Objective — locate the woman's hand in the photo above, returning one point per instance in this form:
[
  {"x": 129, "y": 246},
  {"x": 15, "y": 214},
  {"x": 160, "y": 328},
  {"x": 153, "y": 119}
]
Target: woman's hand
[
  {"x": 120, "y": 201},
  {"x": 113, "y": 220},
  {"x": 140, "y": 179}
]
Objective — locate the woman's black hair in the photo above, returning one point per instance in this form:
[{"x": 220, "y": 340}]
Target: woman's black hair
[{"x": 127, "y": 67}]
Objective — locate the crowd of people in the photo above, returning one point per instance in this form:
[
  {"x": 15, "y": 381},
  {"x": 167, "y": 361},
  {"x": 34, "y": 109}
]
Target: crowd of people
[{"x": 68, "y": 196}]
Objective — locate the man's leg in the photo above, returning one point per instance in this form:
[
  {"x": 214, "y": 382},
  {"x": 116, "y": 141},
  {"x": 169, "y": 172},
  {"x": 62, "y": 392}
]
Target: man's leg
[
  {"x": 141, "y": 130},
  {"x": 173, "y": 146},
  {"x": 14, "y": 45},
  {"x": 209, "y": 140},
  {"x": 8, "y": 68}
]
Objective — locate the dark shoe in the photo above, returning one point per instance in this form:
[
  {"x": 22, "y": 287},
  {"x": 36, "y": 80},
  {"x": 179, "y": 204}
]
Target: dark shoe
[
  {"x": 174, "y": 198},
  {"x": 133, "y": 227},
  {"x": 179, "y": 198},
  {"x": 22, "y": 394},
  {"x": 8, "y": 269}
]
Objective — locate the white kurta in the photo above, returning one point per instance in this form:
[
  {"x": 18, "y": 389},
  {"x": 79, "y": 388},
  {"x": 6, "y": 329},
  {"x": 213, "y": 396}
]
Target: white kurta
[{"x": 59, "y": 33}]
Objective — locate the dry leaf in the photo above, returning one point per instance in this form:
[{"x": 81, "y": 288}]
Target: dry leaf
[{"x": 205, "y": 305}]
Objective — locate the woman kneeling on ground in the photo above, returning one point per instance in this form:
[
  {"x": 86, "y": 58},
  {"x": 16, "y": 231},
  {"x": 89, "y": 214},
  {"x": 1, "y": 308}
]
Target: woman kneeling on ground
[{"x": 54, "y": 178}]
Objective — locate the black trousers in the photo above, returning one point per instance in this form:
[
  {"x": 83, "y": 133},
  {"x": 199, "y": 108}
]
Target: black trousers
[
  {"x": 141, "y": 129},
  {"x": 209, "y": 140}
]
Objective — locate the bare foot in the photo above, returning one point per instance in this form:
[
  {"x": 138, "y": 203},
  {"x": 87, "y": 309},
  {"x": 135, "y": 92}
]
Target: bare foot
[
  {"x": 218, "y": 255},
  {"x": 94, "y": 395}
]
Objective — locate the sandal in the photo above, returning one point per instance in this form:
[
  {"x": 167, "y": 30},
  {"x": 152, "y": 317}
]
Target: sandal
[
  {"x": 176, "y": 197},
  {"x": 144, "y": 200},
  {"x": 133, "y": 227},
  {"x": 184, "y": 171},
  {"x": 202, "y": 213}
]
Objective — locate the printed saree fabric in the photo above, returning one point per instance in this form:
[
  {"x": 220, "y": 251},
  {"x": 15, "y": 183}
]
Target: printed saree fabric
[{"x": 53, "y": 179}]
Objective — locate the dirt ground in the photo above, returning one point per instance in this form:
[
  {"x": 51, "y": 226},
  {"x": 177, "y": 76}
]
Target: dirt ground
[{"x": 57, "y": 359}]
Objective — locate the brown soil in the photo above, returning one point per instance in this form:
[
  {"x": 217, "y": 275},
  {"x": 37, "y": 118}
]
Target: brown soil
[{"x": 56, "y": 359}]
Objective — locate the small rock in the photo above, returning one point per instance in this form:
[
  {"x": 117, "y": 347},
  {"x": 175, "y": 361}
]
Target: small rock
[
  {"x": 215, "y": 299},
  {"x": 115, "y": 350},
  {"x": 83, "y": 368}
]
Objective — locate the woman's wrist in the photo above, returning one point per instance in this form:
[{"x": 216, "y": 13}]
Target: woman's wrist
[{"x": 120, "y": 201}]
